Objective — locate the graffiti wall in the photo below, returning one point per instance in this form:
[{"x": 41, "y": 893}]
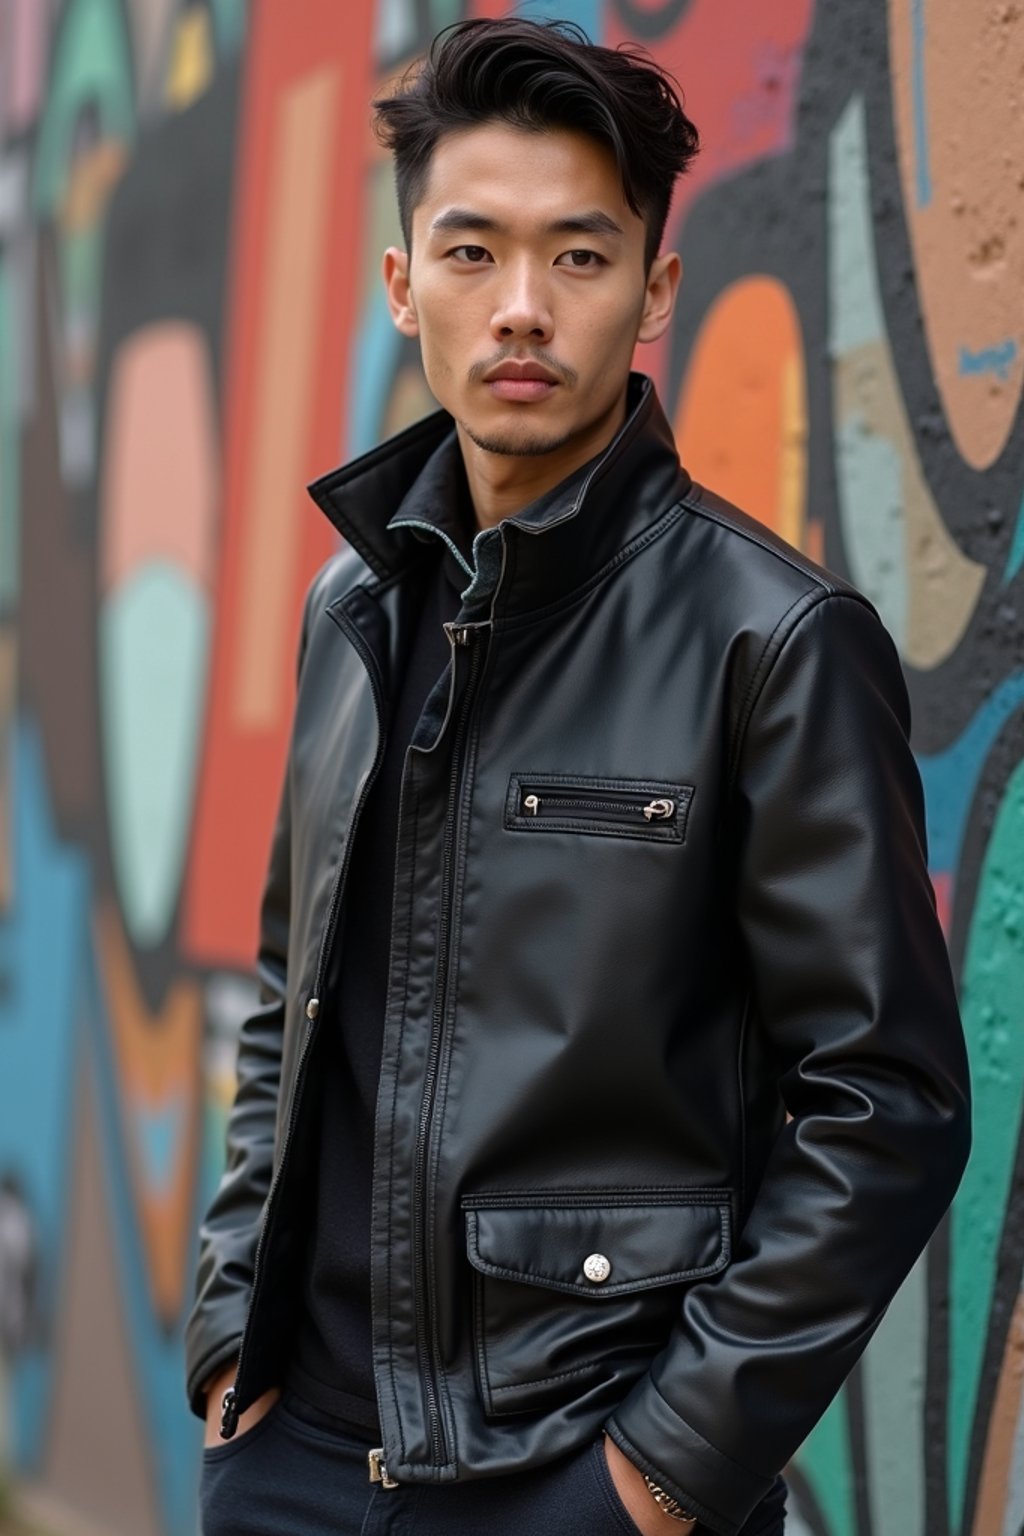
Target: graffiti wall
[{"x": 192, "y": 209}]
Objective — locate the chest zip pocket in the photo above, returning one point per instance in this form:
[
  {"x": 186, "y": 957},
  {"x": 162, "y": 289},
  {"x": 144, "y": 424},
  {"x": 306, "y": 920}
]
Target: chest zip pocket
[{"x": 562, "y": 802}]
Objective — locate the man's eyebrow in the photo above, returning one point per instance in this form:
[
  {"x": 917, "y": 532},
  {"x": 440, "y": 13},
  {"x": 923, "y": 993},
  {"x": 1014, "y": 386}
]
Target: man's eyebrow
[
  {"x": 592, "y": 222},
  {"x": 455, "y": 219}
]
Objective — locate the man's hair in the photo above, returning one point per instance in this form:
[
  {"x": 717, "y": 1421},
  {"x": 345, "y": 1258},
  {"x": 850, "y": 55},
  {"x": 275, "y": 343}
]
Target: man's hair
[{"x": 539, "y": 75}]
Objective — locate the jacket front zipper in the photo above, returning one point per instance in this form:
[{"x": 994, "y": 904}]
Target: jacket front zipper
[
  {"x": 424, "y": 1286},
  {"x": 229, "y": 1405}
]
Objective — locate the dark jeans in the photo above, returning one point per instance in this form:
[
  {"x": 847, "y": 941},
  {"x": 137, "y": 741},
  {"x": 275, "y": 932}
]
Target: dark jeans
[{"x": 293, "y": 1476}]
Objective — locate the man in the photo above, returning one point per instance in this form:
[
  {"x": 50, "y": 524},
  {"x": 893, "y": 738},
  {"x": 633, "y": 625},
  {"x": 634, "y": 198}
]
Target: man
[{"x": 608, "y": 1077}]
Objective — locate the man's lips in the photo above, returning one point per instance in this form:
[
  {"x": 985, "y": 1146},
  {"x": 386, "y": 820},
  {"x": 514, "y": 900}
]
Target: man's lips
[{"x": 521, "y": 381}]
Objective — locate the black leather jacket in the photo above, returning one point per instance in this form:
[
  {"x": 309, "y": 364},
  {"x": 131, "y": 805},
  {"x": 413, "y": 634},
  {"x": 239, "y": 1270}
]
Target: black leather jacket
[{"x": 674, "y": 1087}]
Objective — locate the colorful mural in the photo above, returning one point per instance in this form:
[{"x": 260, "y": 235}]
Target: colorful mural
[{"x": 192, "y": 209}]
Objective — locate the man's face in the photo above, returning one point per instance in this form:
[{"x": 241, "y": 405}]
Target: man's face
[{"x": 527, "y": 286}]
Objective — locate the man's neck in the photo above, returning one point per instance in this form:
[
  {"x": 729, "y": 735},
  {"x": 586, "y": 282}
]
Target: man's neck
[{"x": 501, "y": 484}]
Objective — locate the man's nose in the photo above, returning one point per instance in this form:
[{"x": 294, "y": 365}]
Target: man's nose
[{"x": 523, "y": 308}]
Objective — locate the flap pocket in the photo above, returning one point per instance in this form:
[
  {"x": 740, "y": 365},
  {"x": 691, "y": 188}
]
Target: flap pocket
[
  {"x": 594, "y": 1247},
  {"x": 574, "y": 1294}
]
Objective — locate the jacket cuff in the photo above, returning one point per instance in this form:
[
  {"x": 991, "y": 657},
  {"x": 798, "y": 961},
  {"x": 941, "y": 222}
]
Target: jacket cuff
[{"x": 704, "y": 1480}]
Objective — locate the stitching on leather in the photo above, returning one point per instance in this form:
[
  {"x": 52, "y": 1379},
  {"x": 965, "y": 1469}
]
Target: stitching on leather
[
  {"x": 480, "y": 1340},
  {"x": 391, "y": 1130},
  {"x": 702, "y": 509},
  {"x": 545, "y": 1381},
  {"x": 455, "y": 947},
  {"x": 757, "y": 681},
  {"x": 487, "y": 1266},
  {"x": 679, "y": 1195},
  {"x": 673, "y": 831},
  {"x": 627, "y": 1446},
  {"x": 654, "y": 531}
]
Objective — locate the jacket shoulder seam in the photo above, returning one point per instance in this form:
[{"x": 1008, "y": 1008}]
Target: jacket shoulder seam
[
  {"x": 693, "y": 503},
  {"x": 807, "y": 603}
]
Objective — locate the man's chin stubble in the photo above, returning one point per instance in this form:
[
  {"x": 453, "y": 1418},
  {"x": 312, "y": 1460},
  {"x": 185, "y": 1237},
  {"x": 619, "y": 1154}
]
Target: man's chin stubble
[{"x": 525, "y": 447}]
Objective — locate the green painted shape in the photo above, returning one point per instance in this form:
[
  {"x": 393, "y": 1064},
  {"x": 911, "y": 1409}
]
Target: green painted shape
[
  {"x": 154, "y": 653},
  {"x": 824, "y": 1460},
  {"x": 10, "y": 458},
  {"x": 1016, "y": 555},
  {"x": 991, "y": 994},
  {"x": 230, "y": 23},
  {"x": 893, "y": 1375},
  {"x": 855, "y": 315},
  {"x": 444, "y": 12},
  {"x": 92, "y": 64},
  {"x": 81, "y": 270}
]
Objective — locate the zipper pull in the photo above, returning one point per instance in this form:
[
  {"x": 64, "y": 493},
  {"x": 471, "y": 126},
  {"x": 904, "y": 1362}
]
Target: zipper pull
[
  {"x": 459, "y": 634},
  {"x": 228, "y": 1414},
  {"x": 531, "y": 803},
  {"x": 378, "y": 1470},
  {"x": 659, "y": 809}
]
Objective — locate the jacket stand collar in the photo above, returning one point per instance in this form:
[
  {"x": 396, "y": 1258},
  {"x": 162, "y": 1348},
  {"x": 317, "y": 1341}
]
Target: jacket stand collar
[{"x": 388, "y": 501}]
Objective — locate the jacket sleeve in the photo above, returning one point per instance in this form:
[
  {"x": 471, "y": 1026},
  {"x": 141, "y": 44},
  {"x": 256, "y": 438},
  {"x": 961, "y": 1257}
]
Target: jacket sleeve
[
  {"x": 229, "y": 1231},
  {"x": 850, "y": 981}
]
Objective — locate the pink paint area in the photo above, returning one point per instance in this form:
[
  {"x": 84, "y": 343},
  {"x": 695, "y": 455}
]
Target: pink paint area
[
  {"x": 29, "y": 25},
  {"x": 160, "y": 482},
  {"x": 942, "y": 884}
]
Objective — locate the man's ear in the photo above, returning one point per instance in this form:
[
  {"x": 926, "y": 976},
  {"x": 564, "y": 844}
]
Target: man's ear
[
  {"x": 396, "y": 286},
  {"x": 660, "y": 297}
]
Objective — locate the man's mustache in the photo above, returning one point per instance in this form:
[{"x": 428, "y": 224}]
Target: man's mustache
[{"x": 562, "y": 371}]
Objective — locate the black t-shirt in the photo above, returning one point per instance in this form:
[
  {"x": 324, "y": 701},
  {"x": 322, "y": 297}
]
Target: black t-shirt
[{"x": 331, "y": 1365}]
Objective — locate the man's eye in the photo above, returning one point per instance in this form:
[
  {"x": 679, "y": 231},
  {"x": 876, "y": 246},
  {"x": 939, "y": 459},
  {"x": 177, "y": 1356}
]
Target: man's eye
[
  {"x": 474, "y": 254},
  {"x": 582, "y": 259}
]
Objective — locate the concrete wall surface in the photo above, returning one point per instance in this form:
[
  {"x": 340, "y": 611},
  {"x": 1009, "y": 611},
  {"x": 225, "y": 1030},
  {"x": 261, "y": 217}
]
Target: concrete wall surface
[{"x": 192, "y": 210}]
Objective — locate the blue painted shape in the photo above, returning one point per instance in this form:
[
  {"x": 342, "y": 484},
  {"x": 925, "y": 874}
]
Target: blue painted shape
[
  {"x": 43, "y": 943},
  {"x": 587, "y": 14},
  {"x": 951, "y": 777},
  {"x": 922, "y": 149},
  {"x": 374, "y": 359},
  {"x": 1015, "y": 559},
  {"x": 997, "y": 359},
  {"x": 158, "y": 1137},
  {"x": 154, "y": 639},
  {"x": 230, "y": 20}
]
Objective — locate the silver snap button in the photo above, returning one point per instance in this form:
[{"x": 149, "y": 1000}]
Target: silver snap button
[
  {"x": 597, "y": 1268},
  {"x": 312, "y": 1008}
]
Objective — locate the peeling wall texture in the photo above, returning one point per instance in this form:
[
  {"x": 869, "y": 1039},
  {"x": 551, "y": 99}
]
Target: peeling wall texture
[{"x": 191, "y": 326}]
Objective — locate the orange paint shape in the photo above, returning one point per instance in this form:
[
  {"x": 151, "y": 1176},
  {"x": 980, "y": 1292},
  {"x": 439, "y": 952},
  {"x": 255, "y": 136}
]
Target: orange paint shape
[
  {"x": 161, "y": 471},
  {"x": 285, "y": 402},
  {"x": 956, "y": 105},
  {"x": 997, "y": 1466},
  {"x": 288, "y": 329},
  {"x": 158, "y": 1061},
  {"x": 741, "y": 425}
]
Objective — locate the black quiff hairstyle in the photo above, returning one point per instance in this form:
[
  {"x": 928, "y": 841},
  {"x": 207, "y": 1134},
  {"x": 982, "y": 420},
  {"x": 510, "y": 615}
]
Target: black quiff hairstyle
[{"x": 539, "y": 75}]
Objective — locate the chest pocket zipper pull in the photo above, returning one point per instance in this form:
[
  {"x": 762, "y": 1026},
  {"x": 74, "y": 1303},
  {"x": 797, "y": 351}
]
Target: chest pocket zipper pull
[{"x": 659, "y": 809}]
